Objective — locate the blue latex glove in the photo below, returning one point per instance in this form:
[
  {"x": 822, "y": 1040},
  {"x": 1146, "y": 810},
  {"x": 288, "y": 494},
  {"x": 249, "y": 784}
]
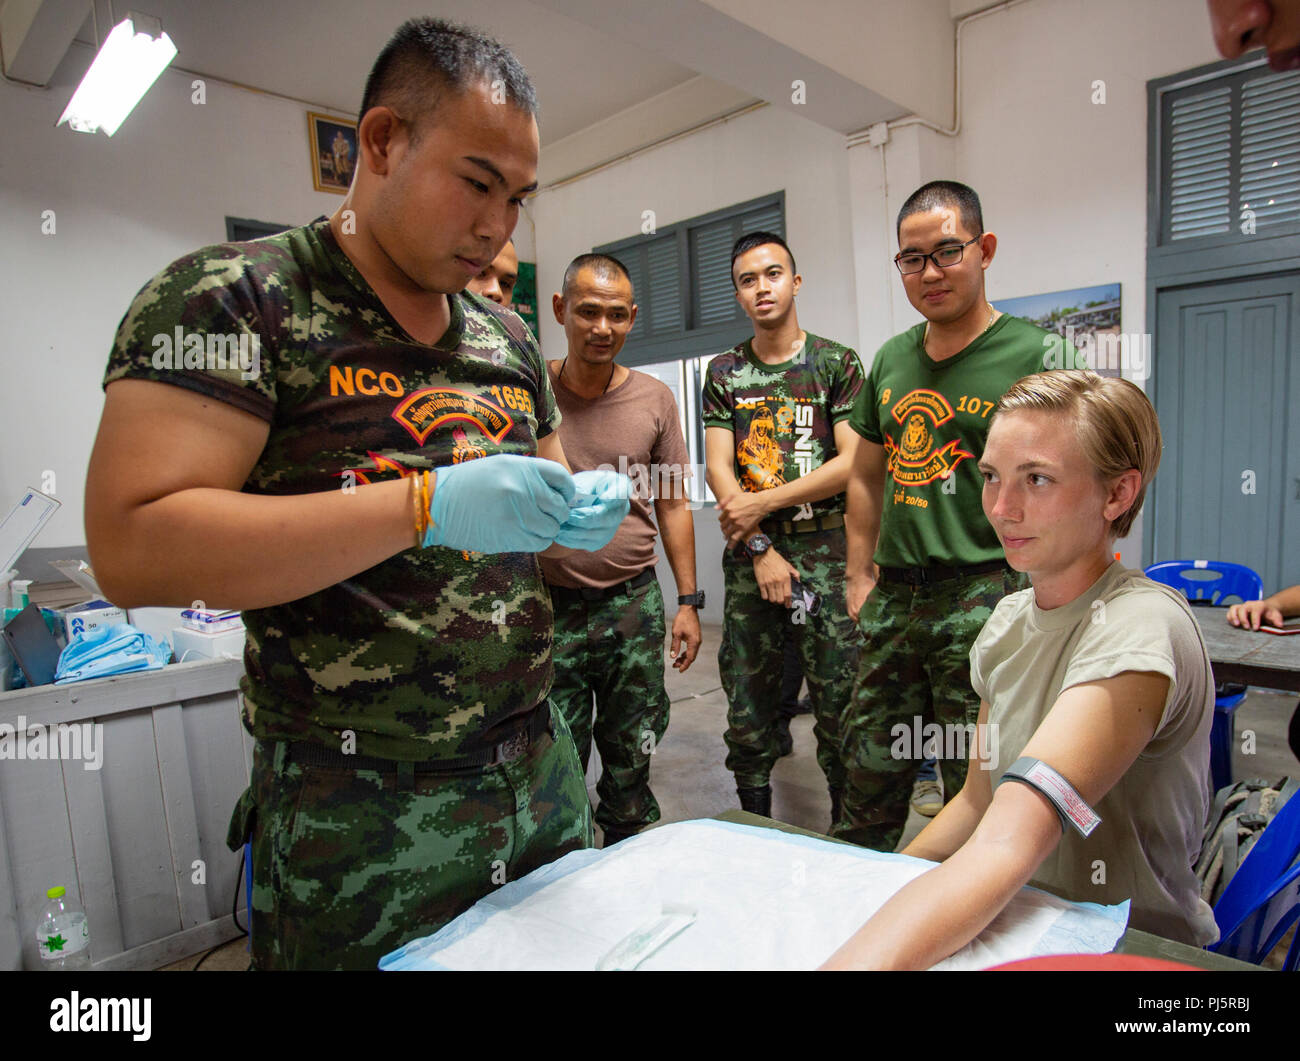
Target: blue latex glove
[
  {"x": 600, "y": 502},
  {"x": 117, "y": 649},
  {"x": 499, "y": 504}
]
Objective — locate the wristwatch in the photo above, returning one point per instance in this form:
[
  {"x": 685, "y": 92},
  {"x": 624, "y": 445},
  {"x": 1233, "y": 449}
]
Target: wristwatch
[
  {"x": 758, "y": 544},
  {"x": 697, "y": 599}
]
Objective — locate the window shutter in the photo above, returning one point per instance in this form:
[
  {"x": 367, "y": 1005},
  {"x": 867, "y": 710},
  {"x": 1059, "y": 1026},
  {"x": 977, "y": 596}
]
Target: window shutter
[
  {"x": 1200, "y": 178},
  {"x": 770, "y": 218},
  {"x": 1232, "y": 156},
  {"x": 715, "y": 298},
  {"x": 1270, "y": 149},
  {"x": 715, "y": 302},
  {"x": 681, "y": 277},
  {"x": 635, "y": 260},
  {"x": 664, "y": 286}
]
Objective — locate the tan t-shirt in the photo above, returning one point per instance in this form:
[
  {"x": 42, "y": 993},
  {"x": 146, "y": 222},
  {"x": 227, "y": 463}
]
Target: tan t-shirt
[
  {"x": 633, "y": 429},
  {"x": 1152, "y": 820}
]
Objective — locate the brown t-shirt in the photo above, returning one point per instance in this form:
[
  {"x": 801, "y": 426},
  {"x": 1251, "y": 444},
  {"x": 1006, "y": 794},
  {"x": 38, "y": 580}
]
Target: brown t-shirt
[{"x": 633, "y": 429}]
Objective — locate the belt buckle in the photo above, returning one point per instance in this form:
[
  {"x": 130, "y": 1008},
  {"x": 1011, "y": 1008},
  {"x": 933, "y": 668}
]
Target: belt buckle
[{"x": 511, "y": 748}]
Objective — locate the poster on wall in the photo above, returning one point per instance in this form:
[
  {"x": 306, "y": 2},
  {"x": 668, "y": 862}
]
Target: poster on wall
[
  {"x": 333, "y": 152},
  {"x": 1088, "y": 317},
  {"x": 524, "y": 300}
]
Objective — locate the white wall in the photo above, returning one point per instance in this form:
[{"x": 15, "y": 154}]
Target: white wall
[
  {"x": 1062, "y": 180},
  {"x": 1063, "y": 183},
  {"x": 875, "y": 44},
  {"x": 123, "y": 209},
  {"x": 759, "y": 153},
  {"x": 525, "y": 243},
  {"x": 741, "y": 159}
]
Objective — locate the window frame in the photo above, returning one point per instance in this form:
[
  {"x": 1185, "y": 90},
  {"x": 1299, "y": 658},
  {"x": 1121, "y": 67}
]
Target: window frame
[
  {"x": 243, "y": 229},
  {"x": 1167, "y": 256},
  {"x": 692, "y": 347},
  {"x": 688, "y": 342}
]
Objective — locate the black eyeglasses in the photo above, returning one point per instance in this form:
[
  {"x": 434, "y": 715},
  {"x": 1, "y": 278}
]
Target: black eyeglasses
[{"x": 943, "y": 258}]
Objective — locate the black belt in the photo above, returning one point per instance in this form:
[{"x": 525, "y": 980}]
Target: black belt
[
  {"x": 802, "y": 526},
  {"x": 597, "y": 593},
  {"x": 924, "y": 576},
  {"x": 306, "y": 753}
]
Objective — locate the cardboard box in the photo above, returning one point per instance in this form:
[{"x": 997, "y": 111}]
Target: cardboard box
[
  {"x": 190, "y": 644},
  {"x": 156, "y": 622},
  {"x": 90, "y": 616}
]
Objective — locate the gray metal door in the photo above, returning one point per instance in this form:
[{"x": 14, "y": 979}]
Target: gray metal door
[{"x": 1227, "y": 389}]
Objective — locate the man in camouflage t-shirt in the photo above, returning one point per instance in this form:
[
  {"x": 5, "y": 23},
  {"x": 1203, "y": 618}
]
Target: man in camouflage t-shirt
[
  {"x": 779, "y": 448},
  {"x": 271, "y": 410}
]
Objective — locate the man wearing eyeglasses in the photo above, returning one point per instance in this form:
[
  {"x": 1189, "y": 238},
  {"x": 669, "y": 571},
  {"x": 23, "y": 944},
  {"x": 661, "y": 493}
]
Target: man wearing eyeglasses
[{"x": 925, "y": 568}]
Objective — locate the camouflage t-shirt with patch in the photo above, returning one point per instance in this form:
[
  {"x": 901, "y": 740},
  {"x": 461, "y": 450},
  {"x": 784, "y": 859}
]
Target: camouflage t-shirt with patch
[
  {"x": 432, "y": 653},
  {"x": 783, "y": 416}
]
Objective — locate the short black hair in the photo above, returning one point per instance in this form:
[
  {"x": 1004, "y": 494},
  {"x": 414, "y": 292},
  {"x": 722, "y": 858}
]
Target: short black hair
[
  {"x": 427, "y": 57},
  {"x": 605, "y": 266},
  {"x": 750, "y": 240},
  {"x": 938, "y": 194}
]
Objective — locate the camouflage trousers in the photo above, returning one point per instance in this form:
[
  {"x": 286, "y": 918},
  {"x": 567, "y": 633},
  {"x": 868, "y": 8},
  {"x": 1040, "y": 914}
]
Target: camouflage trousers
[
  {"x": 347, "y": 868},
  {"x": 915, "y": 664},
  {"x": 751, "y": 659},
  {"x": 613, "y": 650}
]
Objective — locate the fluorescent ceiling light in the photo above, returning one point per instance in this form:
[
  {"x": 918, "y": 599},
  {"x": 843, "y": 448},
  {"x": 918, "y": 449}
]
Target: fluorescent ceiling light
[{"x": 127, "y": 64}]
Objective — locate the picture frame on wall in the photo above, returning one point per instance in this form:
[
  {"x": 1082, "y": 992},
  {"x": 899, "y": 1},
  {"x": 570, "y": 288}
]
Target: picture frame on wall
[
  {"x": 333, "y": 152},
  {"x": 1089, "y": 319}
]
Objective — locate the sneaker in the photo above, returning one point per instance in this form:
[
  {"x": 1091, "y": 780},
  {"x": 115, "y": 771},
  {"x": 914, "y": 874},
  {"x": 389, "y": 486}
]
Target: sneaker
[{"x": 927, "y": 798}]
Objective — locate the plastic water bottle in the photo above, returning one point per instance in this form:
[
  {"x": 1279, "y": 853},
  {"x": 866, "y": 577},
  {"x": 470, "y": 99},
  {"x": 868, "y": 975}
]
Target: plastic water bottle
[{"x": 62, "y": 933}]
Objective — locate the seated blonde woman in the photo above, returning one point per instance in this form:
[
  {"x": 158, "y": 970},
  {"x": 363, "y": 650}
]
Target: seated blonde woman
[{"x": 1096, "y": 673}]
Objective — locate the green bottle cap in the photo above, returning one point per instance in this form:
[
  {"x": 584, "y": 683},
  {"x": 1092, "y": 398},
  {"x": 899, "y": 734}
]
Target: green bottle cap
[{"x": 56, "y": 893}]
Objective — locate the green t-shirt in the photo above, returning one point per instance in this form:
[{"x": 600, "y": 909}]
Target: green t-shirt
[
  {"x": 430, "y": 653},
  {"x": 932, "y": 417},
  {"x": 783, "y": 416}
]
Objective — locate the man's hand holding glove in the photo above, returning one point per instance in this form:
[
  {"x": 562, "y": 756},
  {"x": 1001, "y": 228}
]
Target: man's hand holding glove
[
  {"x": 512, "y": 504},
  {"x": 600, "y": 501},
  {"x": 499, "y": 504}
]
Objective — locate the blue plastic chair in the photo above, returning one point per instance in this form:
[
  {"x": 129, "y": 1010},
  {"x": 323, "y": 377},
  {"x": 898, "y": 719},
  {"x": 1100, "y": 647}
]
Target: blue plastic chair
[
  {"x": 1263, "y": 898},
  {"x": 1226, "y": 580},
  {"x": 1230, "y": 580}
]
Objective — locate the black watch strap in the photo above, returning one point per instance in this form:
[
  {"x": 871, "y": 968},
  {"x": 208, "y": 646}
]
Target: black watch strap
[{"x": 696, "y": 599}]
